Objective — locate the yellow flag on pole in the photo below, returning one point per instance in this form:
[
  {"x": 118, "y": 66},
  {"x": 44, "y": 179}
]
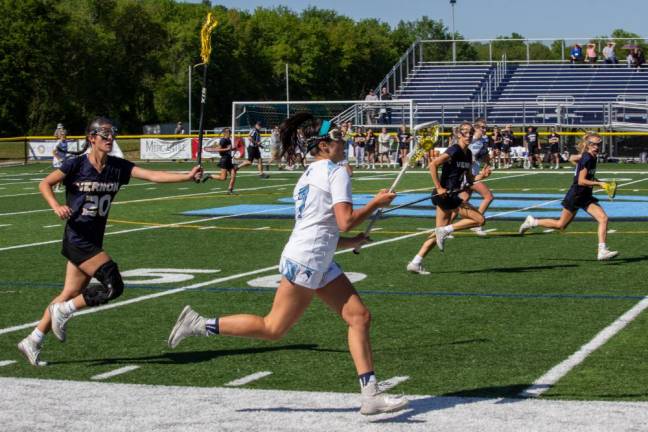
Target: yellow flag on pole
[{"x": 205, "y": 37}]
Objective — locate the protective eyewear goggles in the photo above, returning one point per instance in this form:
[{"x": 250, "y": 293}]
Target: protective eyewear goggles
[{"x": 105, "y": 132}]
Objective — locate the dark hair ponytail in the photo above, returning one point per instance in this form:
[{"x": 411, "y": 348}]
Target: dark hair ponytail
[{"x": 309, "y": 125}]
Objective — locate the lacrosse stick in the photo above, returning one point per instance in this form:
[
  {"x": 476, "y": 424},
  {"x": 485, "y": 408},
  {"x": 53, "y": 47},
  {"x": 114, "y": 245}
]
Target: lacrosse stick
[
  {"x": 205, "y": 51},
  {"x": 610, "y": 188},
  {"x": 425, "y": 141}
]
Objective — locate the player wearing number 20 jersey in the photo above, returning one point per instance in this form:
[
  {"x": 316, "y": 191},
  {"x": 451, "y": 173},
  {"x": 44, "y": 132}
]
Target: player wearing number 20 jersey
[{"x": 89, "y": 196}]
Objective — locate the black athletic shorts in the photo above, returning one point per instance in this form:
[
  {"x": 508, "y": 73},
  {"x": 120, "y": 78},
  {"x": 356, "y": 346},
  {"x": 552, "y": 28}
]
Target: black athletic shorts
[
  {"x": 534, "y": 150},
  {"x": 506, "y": 148},
  {"x": 573, "y": 201},
  {"x": 446, "y": 202},
  {"x": 226, "y": 163},
  {"x": 253, "y": 153},
  {"x": 77, "y": 253},
  {"x": 555, "y": 148}
]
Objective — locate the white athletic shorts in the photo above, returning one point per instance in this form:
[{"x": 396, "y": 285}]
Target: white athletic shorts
[{"x": 301, "y": 275}]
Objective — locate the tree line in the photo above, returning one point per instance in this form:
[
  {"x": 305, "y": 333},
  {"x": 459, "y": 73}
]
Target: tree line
[{"x": 68, "y": 60}]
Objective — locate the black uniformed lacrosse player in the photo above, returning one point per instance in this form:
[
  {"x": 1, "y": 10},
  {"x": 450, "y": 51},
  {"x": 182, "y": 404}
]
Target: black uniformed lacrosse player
[
  {"x": 92, "y": 181},
  {"x": 580, "y": 196}
]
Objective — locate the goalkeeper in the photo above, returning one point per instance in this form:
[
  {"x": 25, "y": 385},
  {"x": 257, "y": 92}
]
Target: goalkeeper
[{"x": 580, "y": 196}]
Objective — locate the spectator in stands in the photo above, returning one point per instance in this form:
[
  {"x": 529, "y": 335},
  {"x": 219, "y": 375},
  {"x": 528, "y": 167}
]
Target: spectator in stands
[
  {"x": 386, "y": 111},
  {"x": 404, "y": 139},
  {"x": 370, "y": 109},
  {"x": 609, "y": 56},
  {"x": 639, "y": 58},
  {"x": 576, "y": 54},
  {"x": 359, "y": 145},
  {"x": 370, "y": 149},
  {"x": 384, "y": 142},
  {"x": 507, "y": 143},
  {"x": 179, "y": 130},
  {"x": 592, "y": 55},
  {"x": 497, "y": 147}
]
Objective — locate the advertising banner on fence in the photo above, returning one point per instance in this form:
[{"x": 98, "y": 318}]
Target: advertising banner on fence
[
  {"x": 44, "y": 149},
  {"x": 159, "y": 149}
]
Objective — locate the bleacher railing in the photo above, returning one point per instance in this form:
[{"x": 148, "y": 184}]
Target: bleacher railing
[{"x": 524, "y": 50}]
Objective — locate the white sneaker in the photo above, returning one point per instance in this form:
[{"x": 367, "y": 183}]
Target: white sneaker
[
  {"x": 59, "y": 320},
  {"x": 417, "y": 268},
  {"x": 189, "y": 323},
  {"x": 605, "y": 254},
  {"x": 528, "y": 223},
  {"x": 441, "y": 236},
  {"x": 31, "y": 351},
  {"x": 479, "y": 231},
  {"x": 374, "y": 401}
]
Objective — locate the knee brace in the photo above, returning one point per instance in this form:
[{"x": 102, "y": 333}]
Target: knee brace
[{"x": 110, "y": 285}]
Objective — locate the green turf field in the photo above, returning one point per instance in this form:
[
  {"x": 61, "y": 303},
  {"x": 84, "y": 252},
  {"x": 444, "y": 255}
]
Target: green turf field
[{"x": 495, "y": 314}]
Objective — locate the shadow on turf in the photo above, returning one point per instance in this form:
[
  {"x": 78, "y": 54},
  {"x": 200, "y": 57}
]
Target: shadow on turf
[
  {"x": 522, "y": 269},
  {"x": 194, "y": 356},
  {"x": 615, "y": 261},
  {"x": 423, "y": 405}
]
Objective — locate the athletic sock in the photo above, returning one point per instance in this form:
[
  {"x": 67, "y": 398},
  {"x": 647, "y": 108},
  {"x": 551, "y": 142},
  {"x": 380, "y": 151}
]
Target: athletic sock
[
  {"x": 366, "y": 378},
  {"x": 417, "y": 259},
  {"x": 69, "y": 308},
  {"x": 602, "y": 246},
  {"x": 37, "y": 336},
  {"x": 211, "y": 325},
  {"x": 448, "y": 228}
]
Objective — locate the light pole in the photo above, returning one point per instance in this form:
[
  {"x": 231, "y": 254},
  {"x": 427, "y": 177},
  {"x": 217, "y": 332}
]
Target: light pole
[{"x": 454, "y": 44}]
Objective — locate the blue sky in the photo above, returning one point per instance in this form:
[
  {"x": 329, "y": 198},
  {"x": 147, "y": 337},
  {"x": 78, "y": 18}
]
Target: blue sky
[{"x": 533, "y": 19}]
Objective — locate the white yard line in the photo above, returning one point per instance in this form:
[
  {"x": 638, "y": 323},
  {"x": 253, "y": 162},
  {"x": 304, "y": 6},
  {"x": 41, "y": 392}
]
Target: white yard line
[
  {"x": 120, "y": 371},
  {"x": 546, "y": 381},
  {"x": 248, "y": 379},
  {"x": 5, "y": 225},
  {"x": 261, "y": 228},
  {"x": 199, "y": 409},
  {"x": 51, "y": 226},
  {"x": 7, "y": 362},
  {"x": 19, "y": 195}
]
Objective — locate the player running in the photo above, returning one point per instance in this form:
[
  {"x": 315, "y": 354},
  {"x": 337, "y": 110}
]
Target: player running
[
  {"x": 481, "y": 160},
  {"x": 91, "y": 181},
  {"x": 580, "y": 196},
  {"x": 457, "y": 164},
  {"x": 226, "y": 165},
  {"x": 323, "y": 208}
]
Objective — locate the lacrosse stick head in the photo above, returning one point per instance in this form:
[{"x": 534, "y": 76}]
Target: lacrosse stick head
[
  {"x": 427, "y": 135},
  {"x": 610, "y": 188}
]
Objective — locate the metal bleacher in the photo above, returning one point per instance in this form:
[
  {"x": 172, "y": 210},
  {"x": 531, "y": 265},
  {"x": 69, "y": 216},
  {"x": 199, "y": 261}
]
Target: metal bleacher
[
  {"x": 442, "y": 92},
  {"x": 529, "y": 94}
]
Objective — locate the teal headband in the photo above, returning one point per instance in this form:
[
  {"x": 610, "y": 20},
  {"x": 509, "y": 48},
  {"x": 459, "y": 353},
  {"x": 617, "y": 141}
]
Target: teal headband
[{"x": 324, "y": 129}]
